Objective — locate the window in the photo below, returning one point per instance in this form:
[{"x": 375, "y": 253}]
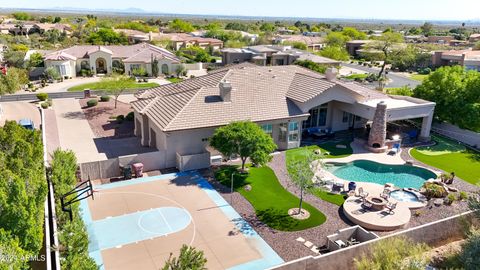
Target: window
[
  {"x": 134, "y": 67},
  {"x": 318, "y": 117},
  {"x": 293, "y": 131},
  {"x": 282, "y": 134},
  {"x": 345, "y": 117},
  {"x": 268, "y": 128},
  {"x": 358, "y": 118}
]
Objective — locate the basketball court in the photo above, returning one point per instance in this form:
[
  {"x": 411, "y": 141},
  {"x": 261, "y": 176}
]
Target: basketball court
[{"x": 136, "y": 224}]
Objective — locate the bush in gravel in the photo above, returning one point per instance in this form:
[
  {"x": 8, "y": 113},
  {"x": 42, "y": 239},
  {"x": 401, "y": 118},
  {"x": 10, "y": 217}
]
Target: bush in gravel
[
  {"x": 92, "y": 102},
  {"x": 120, "y": 118},
  {"x": 44, "y": 105},
  {"x": 42, "y": 96},
  {"x": 104, "y": 98},
  {"x": 129, "y": 116}
]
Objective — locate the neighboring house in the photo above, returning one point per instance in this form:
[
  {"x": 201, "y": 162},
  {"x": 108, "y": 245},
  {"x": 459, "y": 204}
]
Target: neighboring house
[
  {"x": 468, "y": 58},
  {"x": 414, "y": 38},
  {"x": 354, "y": 46},
  {"x": 182, "y": 40},
  {"x": 275, "y": 55},
  {"x": 440, "y": 39},
  {"x": 101, "y": 59},
  {"x": 31, "y": 27},
  {"x": 314, "y": 43},
  {"x": 474, "y": 38},
  {"x": 135, "y": 36},
  {"x": 178, "y": 119}
]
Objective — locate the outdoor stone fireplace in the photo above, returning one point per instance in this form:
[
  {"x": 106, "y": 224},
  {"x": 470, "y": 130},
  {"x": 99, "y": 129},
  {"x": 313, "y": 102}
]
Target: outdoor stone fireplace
[{"x": 378, "y": 133}]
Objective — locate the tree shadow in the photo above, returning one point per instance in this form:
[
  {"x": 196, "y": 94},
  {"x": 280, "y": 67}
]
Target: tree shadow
[
  {"x": 277, "y": 219},
  {"x": 474, "y": 155},
  {"x": 74, "y": 115},
  {"x": 224, "y": 176}
]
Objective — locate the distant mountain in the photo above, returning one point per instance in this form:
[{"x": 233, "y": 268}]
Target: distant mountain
[{"x": 127, "y": 10}]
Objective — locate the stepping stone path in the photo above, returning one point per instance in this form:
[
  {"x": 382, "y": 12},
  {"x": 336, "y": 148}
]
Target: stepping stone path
[{"x": 308, "y": 244}]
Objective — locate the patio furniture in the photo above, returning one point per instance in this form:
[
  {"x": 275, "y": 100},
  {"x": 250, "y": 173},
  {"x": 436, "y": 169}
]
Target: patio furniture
[
  {"x": 352, "y": 186},
  {"x": 395, "y": 149},
  {"x": 385, "y": 194},
  {"x": 362, "y": 194},
  {"x": 340, "y": 243},
  {"x": 391, "y": 207},
  {"x": 366, "y": 204},
  {"x": 338, "y": 187}
]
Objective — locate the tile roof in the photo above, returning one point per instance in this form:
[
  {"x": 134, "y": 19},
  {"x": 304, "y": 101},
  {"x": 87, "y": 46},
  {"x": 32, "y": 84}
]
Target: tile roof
[
  {"x": 305, "y": 87},
  {"x": 259, "y": 93},
  {"x": 141, "y": 52}
]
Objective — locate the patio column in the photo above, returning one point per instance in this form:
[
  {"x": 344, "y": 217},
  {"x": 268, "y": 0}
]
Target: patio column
[
  {"x": 426, "y": 127},
  {"x": 145, "y": 131}
]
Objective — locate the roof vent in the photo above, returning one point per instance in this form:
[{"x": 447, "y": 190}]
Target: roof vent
[
  {"x": 331, "y": 74},
  {"x": 225, "y": 91}
]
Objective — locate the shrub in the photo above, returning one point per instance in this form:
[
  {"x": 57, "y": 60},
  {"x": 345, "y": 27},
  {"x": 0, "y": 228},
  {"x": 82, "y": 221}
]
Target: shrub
[
  {"x": 450, "y": 199},
  {"x": 130, "y": 116},
  {"x": 92, "y": 102},
  {"x": 44, "y": 105},
  {"x": 462, "y": 196},
  {"x": 50, "y": 102},
  {"x": 433, "y": 190},
  {"x": 470, "y": 250},
  {"x": 104, "y": 98},
  {"x": 120, "y": 118},
  {"x": 424, "y": 71},
  {"x": 42, "y": 96}
]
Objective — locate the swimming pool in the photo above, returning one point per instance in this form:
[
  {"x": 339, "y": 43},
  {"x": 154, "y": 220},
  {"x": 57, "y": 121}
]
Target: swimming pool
[{"x": 402, "y": 176}]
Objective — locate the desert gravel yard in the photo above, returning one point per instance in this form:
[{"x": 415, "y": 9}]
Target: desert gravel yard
[{"x": 102, "y": 119}]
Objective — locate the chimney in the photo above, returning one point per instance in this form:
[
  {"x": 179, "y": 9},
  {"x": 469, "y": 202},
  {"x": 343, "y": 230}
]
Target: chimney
[
  {"x": 331, "y": 74},
  {"x": 225, "y": 91},
  {"x": 150, "y": 38}
]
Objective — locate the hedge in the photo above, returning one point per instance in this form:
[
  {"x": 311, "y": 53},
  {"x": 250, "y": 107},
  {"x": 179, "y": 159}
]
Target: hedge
[
  {"x": 92, "y": 102},
  {"x": 73, "y": 234}
]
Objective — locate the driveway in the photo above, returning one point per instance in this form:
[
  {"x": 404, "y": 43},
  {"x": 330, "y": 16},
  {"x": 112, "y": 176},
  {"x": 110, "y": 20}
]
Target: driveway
[
  {"x": 395, "y": 80},
  {"x": 63, "y": 86},
  {"x": 74, "y": 132},
  {"x": 18, "y": 110}
]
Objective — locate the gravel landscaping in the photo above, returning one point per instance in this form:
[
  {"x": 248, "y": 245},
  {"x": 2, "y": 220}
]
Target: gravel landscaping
[{"x": 100, "y": 119}]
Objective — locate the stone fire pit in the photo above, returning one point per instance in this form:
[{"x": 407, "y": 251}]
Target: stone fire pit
[{"x": 378, "y": 203}]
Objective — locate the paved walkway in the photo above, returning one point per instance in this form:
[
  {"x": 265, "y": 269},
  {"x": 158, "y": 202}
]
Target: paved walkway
[
  {"x": 360, "y": 153},
  {"x": 51, "y": 132},
  {"x": 396, "y": 79},
  {"x": 74, "y": 132}
]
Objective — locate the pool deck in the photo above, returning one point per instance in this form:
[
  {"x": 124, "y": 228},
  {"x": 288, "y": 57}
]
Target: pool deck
[
  {"x": 380, "y": 220},
  {"x": 359, "y": 152}
]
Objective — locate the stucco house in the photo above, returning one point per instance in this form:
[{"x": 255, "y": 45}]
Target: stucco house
[
  {"x": 102, "y": 59},
  {"x": 470, "y": 59},
  {"x": 178, "y": 119}
]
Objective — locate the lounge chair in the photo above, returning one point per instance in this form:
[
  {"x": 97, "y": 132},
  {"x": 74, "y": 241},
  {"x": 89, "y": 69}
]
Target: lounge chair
[
  {"x": 395, "y": 149},
  {"x": 391, "y": 207},
  {"x": 362, "y": 194}
]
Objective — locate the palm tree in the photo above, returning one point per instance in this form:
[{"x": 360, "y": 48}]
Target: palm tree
[{"x": 189, "y": 259}]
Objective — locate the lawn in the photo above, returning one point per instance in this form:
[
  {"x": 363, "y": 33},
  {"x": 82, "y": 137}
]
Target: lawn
[
  {"x": 329, "y": 150},
  {"x": 360, "y": 76},
  {"x": 270, "y": 200},
  {"x": 449, "y": 156},
  {"x": 418, "y": 77},
  {"x": 174, "y": 80},
  {"x": 101, "y": 85}
]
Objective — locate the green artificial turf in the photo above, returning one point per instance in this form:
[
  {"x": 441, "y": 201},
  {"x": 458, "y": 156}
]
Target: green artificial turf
[
  {"x": 101, "y": 86},
  {"x": 448, "y": 156},
  {"x": 329, "y": 150},
  {"x": 270, "y": 200},
  {"x": 418, "y": 77},
  {"x": 361, "y": 76}
]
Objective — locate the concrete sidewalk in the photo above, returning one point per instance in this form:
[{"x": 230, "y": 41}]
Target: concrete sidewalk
[{"x": 74, "y": 132}]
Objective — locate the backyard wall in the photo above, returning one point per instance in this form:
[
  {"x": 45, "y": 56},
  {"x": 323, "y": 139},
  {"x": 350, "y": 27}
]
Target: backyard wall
[
  {"x": 458, "y": 134},
  {"x": 434, "y": 234},
  {"x": 111, "y": 167}
]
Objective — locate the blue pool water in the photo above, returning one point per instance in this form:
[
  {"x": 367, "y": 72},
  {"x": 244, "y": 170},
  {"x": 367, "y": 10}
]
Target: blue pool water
[
  {"x": 403, "y": 196},
  {"x": 403, "y": 176}
]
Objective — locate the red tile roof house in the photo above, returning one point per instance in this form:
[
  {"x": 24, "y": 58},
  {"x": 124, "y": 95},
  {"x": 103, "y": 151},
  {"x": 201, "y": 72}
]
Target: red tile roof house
[
  {"x": 468, "y": 58},
  {"x": 101, "y": 59},
  {"x": 178, "y": 119}
]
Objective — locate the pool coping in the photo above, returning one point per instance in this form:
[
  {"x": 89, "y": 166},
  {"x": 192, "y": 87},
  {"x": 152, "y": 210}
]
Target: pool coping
[{"x": 269, "y": 257}]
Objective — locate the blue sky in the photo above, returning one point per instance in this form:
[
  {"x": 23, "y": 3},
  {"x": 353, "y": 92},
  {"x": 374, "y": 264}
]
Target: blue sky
[{"x": 374, "y": 9}]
